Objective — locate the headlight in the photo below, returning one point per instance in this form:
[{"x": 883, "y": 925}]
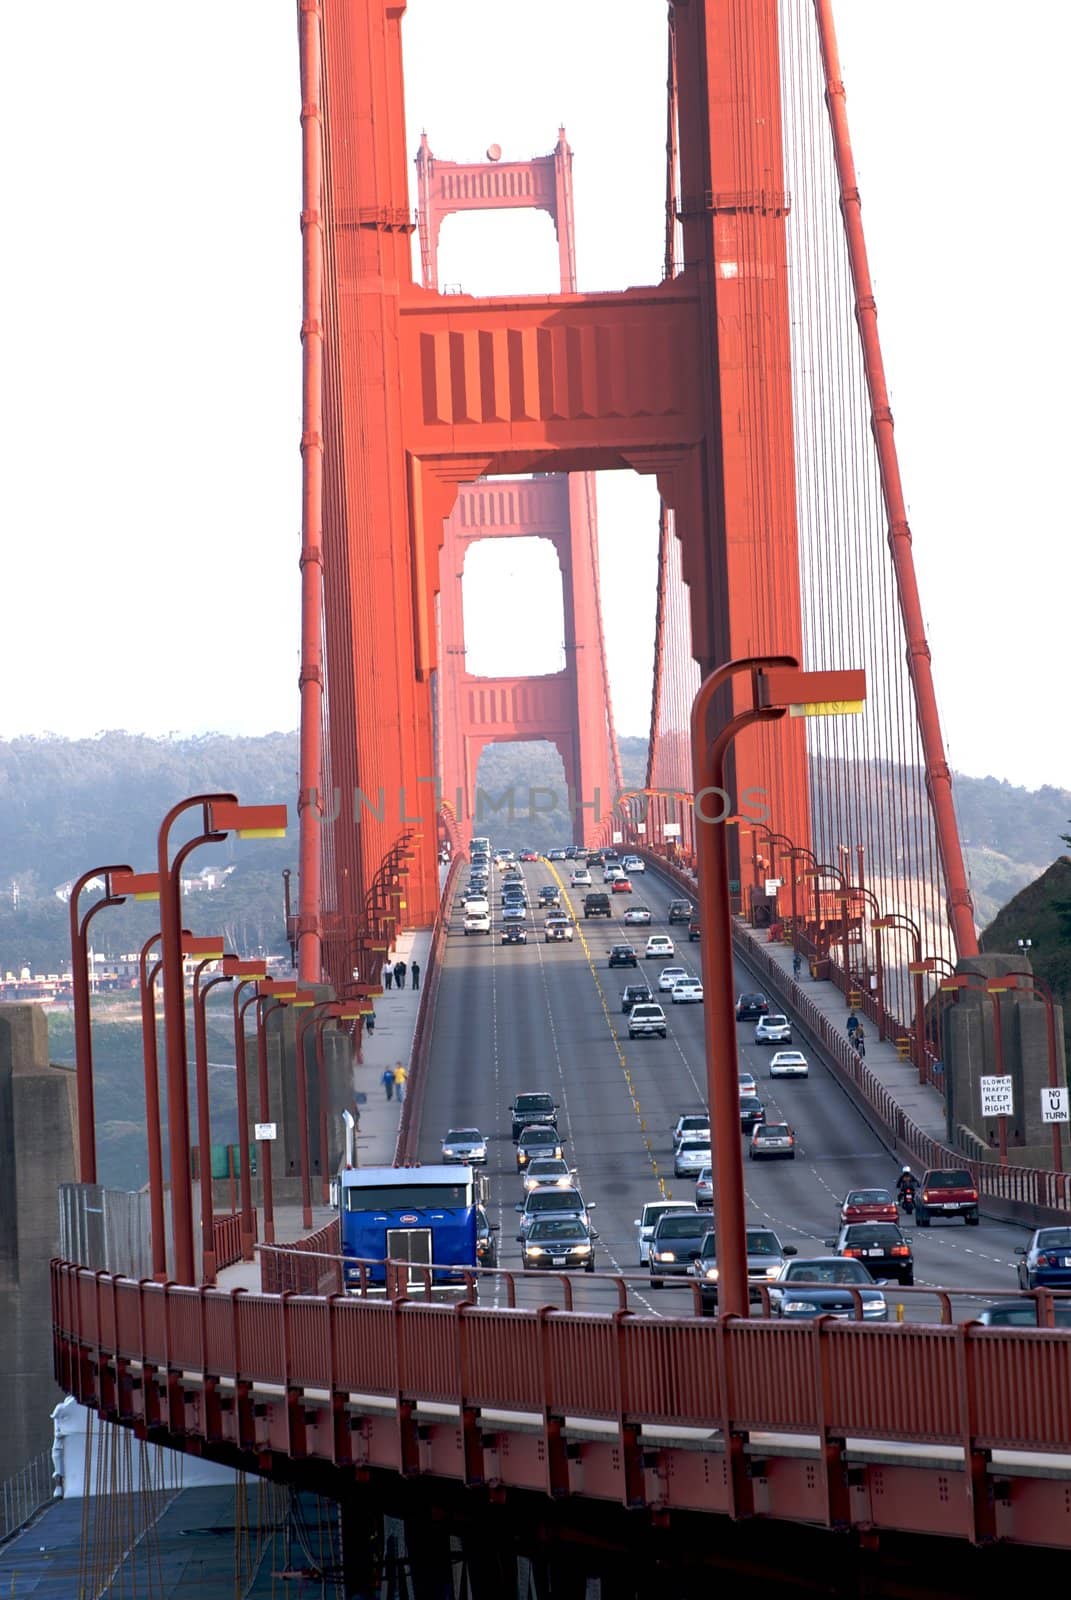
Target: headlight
[
  {"x": 873, "y": 1308},
  {"x": 666, "y": 1255},
  {"x": 711, "y": 1274},
  {"x": 799, "y": 1306},
  {"x": 581, "y": 1249},
  {"x": 772, "y": 1272},
  {"x": 521, "y": 1157},
  {"x": 536, "y": 1250}
]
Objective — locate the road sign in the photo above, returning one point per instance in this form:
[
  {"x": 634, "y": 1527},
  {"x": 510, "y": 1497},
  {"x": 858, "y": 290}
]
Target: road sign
[
  {"x": 618, "y": 837},
  {"x": 1054, "y": 1106},
  {"x": 997, "y": 1098},
  {"x": 773, "y": 884},
  {"x": 265, "y": 1130},
  {"x": 672, "y": 830}
]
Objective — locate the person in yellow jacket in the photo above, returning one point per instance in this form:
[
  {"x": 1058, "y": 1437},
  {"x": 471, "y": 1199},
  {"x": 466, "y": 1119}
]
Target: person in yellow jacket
[{"x": 400, "y": 1076}]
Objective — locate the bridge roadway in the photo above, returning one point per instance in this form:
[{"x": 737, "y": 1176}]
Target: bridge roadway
[{"x": 512, "y": 1018}]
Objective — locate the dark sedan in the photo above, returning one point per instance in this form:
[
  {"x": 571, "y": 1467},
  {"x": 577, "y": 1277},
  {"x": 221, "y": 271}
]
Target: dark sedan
[
  {"x": 486, "y": 1243},
  {"x": 749, "y": 1007},
  {"x": 752, "y": 1112},
  {"x": 1046, "y": 1262},
  {"x": 635, "y": 994},
  {"x": 675, "y": 1243},
  {"x": 881, "y": 1246},
  {"x": 820, "y": 1286},
  {"x": 622, "y": 955},
  {"x": 558, "y": 1242}
]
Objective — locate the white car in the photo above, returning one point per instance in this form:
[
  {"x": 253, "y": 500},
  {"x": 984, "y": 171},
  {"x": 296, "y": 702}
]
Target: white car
[
  {"x": 612, "y": 874},
  {"x": 580, "y": 878},
  {"x": 788, "y": 1064},
  {"x": 747, "y": 1084},
  {"x": 477, "y": 922},
  {"x": 645, "y": 1223},
  {"x": 690, "y": 1124},
  {"x": 659, "y": 944},
  {"x": 774, "y": 1029},
  {"x": 634, "y": 864},
  {"x": 687, "y": 991},
  {"x": 478, "y": 903},
  {"x": 638, "y": 914},
  {"x": 669, "y": 977}
]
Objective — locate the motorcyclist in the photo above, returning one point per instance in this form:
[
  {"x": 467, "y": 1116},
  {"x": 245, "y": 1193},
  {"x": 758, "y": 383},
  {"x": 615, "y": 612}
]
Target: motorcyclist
[{"x": 906, "y": 1184}]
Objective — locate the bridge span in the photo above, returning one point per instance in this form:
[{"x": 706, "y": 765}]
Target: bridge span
[{"x": 509, "y": 1413}]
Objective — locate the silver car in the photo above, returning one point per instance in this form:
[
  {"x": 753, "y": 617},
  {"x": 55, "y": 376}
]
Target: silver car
[
  {"x": 464, "y": 1145},
  {"x": 774, "y": 1029},
  {"x": 704, "y": 1189},
  {"x": 552, "y": 1203},
  {"x": 647, "y": 1220},
  {"x": 766, "y": 1256},
  {"x": 691, "y": 1157}
]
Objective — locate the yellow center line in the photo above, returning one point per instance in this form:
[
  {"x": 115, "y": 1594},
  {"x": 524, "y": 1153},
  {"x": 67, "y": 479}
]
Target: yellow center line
[{"x": 666, "y": 1193}]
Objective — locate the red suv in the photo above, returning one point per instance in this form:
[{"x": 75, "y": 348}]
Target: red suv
[{"x": 947, "y": 1192}]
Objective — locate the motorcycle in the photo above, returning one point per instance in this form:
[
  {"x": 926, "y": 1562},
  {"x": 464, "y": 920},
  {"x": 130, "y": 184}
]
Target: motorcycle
[{"x": 907, "y": 1200}]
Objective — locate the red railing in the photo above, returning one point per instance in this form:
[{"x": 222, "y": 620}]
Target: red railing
[
  {"x": 1031, "y": 1187},
  {"x": 961, "y": 1385},
  {"x": 413, "y": 1107},
  {"x": 227, "y": 1237},
  {"x": 305, "y": 1266}
]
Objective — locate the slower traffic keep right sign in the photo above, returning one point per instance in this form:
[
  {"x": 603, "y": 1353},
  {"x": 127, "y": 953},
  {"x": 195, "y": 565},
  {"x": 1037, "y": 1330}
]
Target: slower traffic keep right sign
[{"x": 997, "y": 1098}]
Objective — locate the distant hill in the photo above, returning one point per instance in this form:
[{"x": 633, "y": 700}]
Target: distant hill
[{"x": 69, "y": 804}]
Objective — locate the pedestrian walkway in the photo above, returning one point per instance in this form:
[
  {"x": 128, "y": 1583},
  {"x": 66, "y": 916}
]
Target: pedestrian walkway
[
  {"x": 919, "y": 1101},
  {"x": 390, "y": 1042}
]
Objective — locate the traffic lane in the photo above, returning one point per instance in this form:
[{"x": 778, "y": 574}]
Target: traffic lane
[
  {"x": 487, "y": 1049},
  {"x": 841, "y": 1151}
]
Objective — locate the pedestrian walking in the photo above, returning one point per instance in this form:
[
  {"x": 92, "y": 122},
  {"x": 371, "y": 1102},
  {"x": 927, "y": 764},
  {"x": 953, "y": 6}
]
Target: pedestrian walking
[
  {"x": 388, "y": 977},
  {"x": 400, "y": 1076},
  {"x": 851, "y": 1025},
  {"x": 414, "y": 972},
  {"x": 399, "y": 974},
  {"x": 370, "y": 1023},
  {"x": 860, "y": 1046},
  {"x": 387, "y": 1080},
  {"x": 796, "y": 965}
]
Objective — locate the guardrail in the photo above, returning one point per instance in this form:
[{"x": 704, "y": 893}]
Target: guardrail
[
  {"x": 413, "y": 1105},
  {"x": 299, "y": 1267},
  {"x": 965, "y": 1386},
  {"x": 227, "y": 1238},
  {"x": 1033, "y": 1188},
  {"x": 25, "y": 1493}
]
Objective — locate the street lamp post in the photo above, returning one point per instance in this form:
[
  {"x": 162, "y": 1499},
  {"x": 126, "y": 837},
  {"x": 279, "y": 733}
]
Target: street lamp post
[
  {"x": 204, "y": 1110},
  {"x": 81, "y": 999},
  {"x": 244, "y": 972},
  {"x": 777, "y": 685},
  {"x": 278, "y": 994},
  {"x": 916, "y": 968},
  {"x": 305, "y": 1000},
  {"x": 220, "y": 814}
]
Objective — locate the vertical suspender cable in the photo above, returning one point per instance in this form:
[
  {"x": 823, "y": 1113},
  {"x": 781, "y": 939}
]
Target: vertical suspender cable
[
  {"x": 311, "y": 679},
  {"x": 938, "y": 776}
]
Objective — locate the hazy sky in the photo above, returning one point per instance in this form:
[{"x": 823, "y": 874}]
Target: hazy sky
[{"x": 151, "y": 274}]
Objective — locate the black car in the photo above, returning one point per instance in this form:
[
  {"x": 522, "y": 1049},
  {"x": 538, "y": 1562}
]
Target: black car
[
  {"x": 486, "y": 1243},
  {"x": 749, "y": 1007},
  {"x": 516, "y": 933},
  {"x": 676, "y": 1241},
  {"x": 529, "y": 1108},
  {"x": 597, "y": 905},
  {"x": 635, "y": 994},
  {"x": 550, "y": 895},
  {"x": 557, "y": 1242},
  {"x": 880, "y": 1246},
  {"x": 694, "y": 930},
  {"x": 752, "y": 1112},
  {"x": 622, "y": 955},
  {"x": 681, "y": 911}
]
